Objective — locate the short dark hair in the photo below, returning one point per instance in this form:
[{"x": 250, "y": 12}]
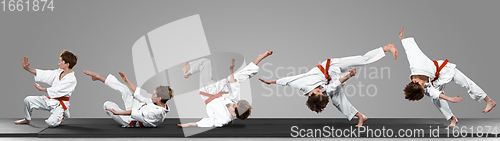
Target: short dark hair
[
  {"x": 243, "y": 105},
  {"x": 414, "y": 91},
  {"x": 317, "y": 102},
  {"x": 165, "y": 92},
  {"x": 69, "y": 57}
]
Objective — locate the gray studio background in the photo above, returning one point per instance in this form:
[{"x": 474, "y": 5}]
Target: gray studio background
[{"x": 302, "y": 33}]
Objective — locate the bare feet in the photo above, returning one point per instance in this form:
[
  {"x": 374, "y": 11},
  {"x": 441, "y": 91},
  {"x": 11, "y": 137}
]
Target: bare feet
[
  {"x": 262, "y": 56},
  {"x": 231, "y": 71},
  {"x": 22, "y": 121},
  {"x": 232, "y": 64},
  {"x": 401, "y": 33},
  {"x": 362, "y": 118},
  {"x": 268, "y": 81},
  {"x": 454, "y": 121},
  {"x": 90, "y": 74},
  {"x": 267, "y": 53},
  {"x": 94, "y": 76},
  {"x": 124, "y": 77},
  {"x": 490, "y": 104},
  {"x": 185, "y": 70},
  {"x": 390, "y": 48}
]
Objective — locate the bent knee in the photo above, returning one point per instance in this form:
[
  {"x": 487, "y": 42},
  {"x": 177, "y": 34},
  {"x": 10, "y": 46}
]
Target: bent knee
[
  {"x": 107, "y": 104},
  {"x": 30, "y": 98},
  {"x": 205, "y": 60},
  {"x": 53, "y": 122}
]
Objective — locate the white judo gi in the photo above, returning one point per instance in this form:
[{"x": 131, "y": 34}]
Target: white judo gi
[
  {"x": 144, "y": 112},
  {"x": 217, "y": 109},
  {"x": 420, "y": 64},
  {"x": 59, "y": 88},
  {"x": 339, "y": 67}
]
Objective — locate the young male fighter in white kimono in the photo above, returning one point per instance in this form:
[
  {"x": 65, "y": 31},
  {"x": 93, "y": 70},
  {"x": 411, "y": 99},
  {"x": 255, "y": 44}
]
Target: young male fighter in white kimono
[
  {"x": 429, "y": 78},
  {"x": 62, "y": 82},
  {"x": 222, "y": 98},
  {"x": 327, "y": 80},
  {"x": 139, "y": 110}
]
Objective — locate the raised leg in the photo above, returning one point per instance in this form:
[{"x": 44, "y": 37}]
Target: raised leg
[
  {"x": 347, "y": 63},
  {"x": 126, "y": 93},
  {"x": 231, "y": 71},
  {"x": 475, "y": 92},
  {"x": 202, "y": 66},
  {"x": 185, "y": 70}
]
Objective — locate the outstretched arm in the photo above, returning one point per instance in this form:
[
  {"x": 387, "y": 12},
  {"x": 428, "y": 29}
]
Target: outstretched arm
[
  {"x": 125, "y": 79},
  {"x": 187, "y": 124},
  {"x": 351, "y": 74},
  {"x": 26, "y": 65},
  {"x": 268, "y": 81},
  {"x": 450, "y": 99}
]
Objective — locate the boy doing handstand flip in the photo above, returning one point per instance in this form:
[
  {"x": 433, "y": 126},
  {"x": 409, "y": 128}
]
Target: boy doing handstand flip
[
  {"x": 222, "y": 98},
  {"x": 327, "y": 80}
]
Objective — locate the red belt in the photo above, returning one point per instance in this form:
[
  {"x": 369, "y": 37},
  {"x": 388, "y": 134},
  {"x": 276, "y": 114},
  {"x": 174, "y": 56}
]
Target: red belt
[
  {"x": 132, "y": 123},
  {"x": 61, "y": 99},
  {"x": 325, "y": 71},
  {"x": 212, "y": 96},
  {"x": 439, "y": 68}
]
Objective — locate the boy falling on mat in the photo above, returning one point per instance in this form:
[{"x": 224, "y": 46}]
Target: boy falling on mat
[
  {"x": 327, "y": 80},
  {"x": 429, "y": 78},
  {"x": 62, "y": 82},
  {"x": 139, "y": 110},
  {"x": 222, "y": 98}
]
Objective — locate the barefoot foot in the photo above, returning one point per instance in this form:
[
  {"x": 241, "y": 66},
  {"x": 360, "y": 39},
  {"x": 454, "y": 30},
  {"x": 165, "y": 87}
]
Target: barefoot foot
[
  {"x": 92, "y": 74},
  {"x": 454, "y": 122},
  {"x": 265, "y": 54},
  {"x": 185, "y": 70},
  {"x": 390, "y": 48},
  {"x": 232, "y": 64},
  {"x": 362, "y": 119},
  {"x": 262, "y": 56},
  {"x": 490, "y": 104},
  {"x": 22, "y": 121}
]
